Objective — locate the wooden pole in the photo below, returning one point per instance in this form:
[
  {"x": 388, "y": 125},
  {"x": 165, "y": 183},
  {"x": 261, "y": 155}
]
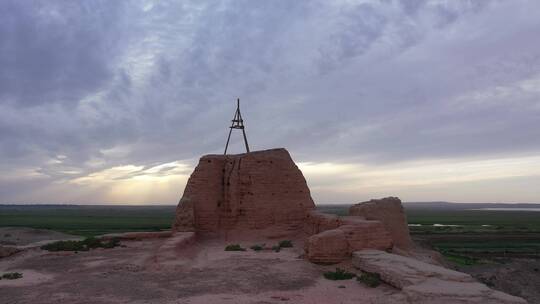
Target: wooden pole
[{"x": 237, "y": 123}]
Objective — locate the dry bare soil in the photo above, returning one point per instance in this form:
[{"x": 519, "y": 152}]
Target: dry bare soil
[{"x": 141, "y": 272}]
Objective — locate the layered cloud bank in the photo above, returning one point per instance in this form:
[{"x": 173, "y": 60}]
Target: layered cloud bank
[{"x": 106, "y": 101}]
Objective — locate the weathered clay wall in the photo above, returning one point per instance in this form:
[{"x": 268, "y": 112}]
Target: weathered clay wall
[
  {"x": 246, "y": 191},
  {"x": 353, "y": 234},
  {"x": 377, "y": 224},
  {"x": 317, "y": 222},
  {"x": 390, "y": 212}
]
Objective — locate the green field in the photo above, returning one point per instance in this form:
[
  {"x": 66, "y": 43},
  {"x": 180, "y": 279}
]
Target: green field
[
  {"x": 456, "y": 231},
  {"x": 88, "y": 220},
  {"x": 459, "y": 219},
  {"x": 96, "y": 219},
  {"x": 473, "y": 221}
]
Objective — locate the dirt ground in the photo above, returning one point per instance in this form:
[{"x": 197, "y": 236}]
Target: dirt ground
[
  {"x": 21, "y": 236},
  {"x": 203, "y": 272}
]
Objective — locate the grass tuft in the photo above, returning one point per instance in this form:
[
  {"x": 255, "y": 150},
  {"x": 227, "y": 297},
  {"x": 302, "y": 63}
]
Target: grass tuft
[
  {"x": 84, "y": 245},
  {"x": 11, "y": 276},
  {"x": 257, "y": 247},
  {"x": 285, "y": 244},
  {"x": 339, "y": 274},
  {"x": 370, "y": 279},
  {"x": 234, "y": 247}
]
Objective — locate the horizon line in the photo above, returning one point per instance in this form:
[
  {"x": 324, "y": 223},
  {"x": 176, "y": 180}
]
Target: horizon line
[{"x": 317, "y": 204}]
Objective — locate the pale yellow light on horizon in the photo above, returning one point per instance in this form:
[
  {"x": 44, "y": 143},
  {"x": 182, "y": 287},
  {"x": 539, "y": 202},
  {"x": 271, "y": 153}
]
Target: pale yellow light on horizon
[
  {"x": 146, "y": 189},
  {"x": 329, "y": 182},
  {"x": 130, "y": 184},
  {"x": 466, "y": 180},
  {"x": 416, "y": 180}
]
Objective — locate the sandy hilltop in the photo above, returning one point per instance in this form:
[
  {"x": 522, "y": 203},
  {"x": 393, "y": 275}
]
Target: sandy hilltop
[{"x": 280, "y": 250}]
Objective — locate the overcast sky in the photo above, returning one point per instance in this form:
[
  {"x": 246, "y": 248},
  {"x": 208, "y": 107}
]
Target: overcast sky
[{"x": 115, "y": 101}]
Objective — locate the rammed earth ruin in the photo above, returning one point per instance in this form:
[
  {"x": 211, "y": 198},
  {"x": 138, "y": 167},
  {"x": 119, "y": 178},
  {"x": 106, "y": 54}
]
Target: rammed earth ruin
[
  {"x": 251, "y": 191},
  {"x": 263, "y": 195},
  {"x": 264, "y": 192}
]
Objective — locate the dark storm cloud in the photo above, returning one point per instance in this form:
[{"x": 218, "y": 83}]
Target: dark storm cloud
[{"x": 90, "y": 85}]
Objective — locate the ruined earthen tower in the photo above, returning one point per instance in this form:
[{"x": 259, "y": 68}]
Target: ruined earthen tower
[{"x": 248, "y": 191}]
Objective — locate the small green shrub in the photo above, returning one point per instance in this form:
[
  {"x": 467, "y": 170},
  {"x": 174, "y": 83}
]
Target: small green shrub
[
  {"x": 285, "y": 244},
  {"x": 234, "y": 247},
  {"x": 65, "y": 246},
  {"x": 276, "y": 248},
  {"x": 92, "y": 243},
  {"x": 12, "y": 275},
  {"x": 114, "y": 242},
  {"x": 339, "y": 274},
  {"x": 84, "y": 245},
  {"x": 257, "y": 247},
  {"x": 370, "y": 279}
]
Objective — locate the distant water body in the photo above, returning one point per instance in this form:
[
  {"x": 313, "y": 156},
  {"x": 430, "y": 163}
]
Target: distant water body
[{"x": 509, "y": 209}]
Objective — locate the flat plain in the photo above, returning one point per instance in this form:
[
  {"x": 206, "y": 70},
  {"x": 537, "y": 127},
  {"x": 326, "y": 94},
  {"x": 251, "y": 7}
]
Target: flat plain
[
  {"x": 88, "y": 220},
  {"x": 453, "y": 229},
  {"x": 499, "y": 248}
]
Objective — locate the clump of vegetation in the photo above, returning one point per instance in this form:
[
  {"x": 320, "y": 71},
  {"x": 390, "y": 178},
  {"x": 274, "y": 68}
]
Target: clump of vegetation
[
  {"x": 257, "y": 247},
  {"x": 11, "y": 276},
  {"x": 234, "y": 247},
  {"x": 84, "y": 245},
  {"x": 282, "y": 244},
  {"x": 339, "y": 274},
  {"x": 114, "y": 242},
  {"x": 65, "y": 246},
  {"x": 370, "y": 279},
  {"x": 285, "y": 244}
]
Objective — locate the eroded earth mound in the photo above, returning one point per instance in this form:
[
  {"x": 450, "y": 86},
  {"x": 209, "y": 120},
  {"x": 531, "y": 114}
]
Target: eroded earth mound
[
  {"x": 335, "y": 238},
  {"x": 390, "y": 212},
  {"x": 241, "y": 192}
]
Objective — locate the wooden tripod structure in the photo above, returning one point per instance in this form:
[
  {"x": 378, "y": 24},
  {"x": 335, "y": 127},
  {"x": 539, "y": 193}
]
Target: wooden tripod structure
[{"x": 237, "y": 123}]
